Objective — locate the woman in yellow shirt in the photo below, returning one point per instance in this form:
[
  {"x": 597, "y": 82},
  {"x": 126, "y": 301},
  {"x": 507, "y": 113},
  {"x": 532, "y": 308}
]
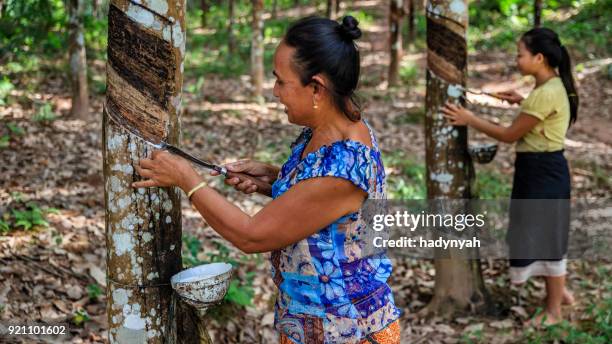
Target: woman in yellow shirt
[{"x": 539, "y": 211}]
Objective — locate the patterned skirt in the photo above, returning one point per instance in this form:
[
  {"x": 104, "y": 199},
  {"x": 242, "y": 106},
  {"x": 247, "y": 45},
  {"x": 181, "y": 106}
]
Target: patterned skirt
[{"x": 388, "y": 335}]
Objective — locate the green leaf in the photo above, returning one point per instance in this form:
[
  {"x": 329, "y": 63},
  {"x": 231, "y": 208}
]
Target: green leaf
[
  {"x": 4, "y": 226},
  {"x": 15, "y": 129},
  {"x": 23, "y": 223},
  {"x": 52, "y": 211},
  {"x": 80, "y": 317},
  {"x": 239, "y": 295},
  {"x": 4, "y": 141}
]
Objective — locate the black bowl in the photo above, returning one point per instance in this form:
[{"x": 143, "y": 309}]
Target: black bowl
[{"x": 483, "y": 153}]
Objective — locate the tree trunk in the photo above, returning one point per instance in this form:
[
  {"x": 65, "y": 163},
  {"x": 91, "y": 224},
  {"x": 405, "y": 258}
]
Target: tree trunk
[
  {"x": 95, "y": 6},
  {"x": 274, "y": 9},
  {"x": 458, "y": 282},
  {"x": 146, "y": 47},
  {"x": 257, "y": 50},
  {"x": 78, "y": 61},
  {"x": 537, "y": 13},
  {"x": 205, "y": 7},
  {"x": 410, "y": 18},
  {"x": 231, "y": 40},
  {"x": 395, "y": 40},
  {"x": 338, "y": 7},
  {"x": 331, "y": 9}
]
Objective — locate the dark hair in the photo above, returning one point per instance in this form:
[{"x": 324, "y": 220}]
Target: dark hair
[
  {"x": 327, "y": 47},
  {"x": 546, "y": 42}
]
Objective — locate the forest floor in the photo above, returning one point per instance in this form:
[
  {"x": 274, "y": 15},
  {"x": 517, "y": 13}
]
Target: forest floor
[{"x": 50, "y": 274}]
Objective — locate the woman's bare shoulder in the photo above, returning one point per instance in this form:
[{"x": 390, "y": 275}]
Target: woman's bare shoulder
[{"x": 360, "y": 132}]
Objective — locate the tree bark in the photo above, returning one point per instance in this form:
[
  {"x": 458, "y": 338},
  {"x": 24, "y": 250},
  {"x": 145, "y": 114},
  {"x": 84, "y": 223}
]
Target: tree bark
[
  {"x": 231, "y": 40},
  {"x": 410, "y": 18},
  {"x": 257, "y": 50},
  {"x": 146, "y": 48},
  {"x": 537, "y": 13},
  {"x": 205, "y": 7},
  {"x": 95, "y": 8},
  {"x": 458, "y": 282},
  {"x": 331, "y": 9},
  {"x": 274, "y": 9},
  {"x": 78, "y": 61},
  {"x": 395, "y": 40}
]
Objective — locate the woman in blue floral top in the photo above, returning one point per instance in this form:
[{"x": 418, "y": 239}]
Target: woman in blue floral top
[{"x": 331, "y": 290}]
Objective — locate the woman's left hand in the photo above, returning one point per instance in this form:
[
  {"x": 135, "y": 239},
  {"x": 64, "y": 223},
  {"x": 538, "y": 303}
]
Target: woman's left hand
[
  {"x": 457, "y": 114},
  {"x": 164, "y": 169}
]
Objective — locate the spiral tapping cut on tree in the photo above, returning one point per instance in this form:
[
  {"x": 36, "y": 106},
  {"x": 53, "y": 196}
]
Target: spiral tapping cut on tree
[
  {"x": 146, "y": 47},
  {"x": 458, "y": 281}
]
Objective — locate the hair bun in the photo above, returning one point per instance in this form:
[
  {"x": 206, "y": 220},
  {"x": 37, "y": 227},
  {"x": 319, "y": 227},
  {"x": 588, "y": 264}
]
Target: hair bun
[{"x": 348, "y": 29}]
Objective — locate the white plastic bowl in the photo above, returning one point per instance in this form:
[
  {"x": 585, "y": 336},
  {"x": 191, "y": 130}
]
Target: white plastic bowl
[{"x": 203, "y": 285}]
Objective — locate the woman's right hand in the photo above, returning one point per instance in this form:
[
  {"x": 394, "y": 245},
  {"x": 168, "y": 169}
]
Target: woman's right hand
[
  {"x": 263, "y": 172},
  {"x": 511, "y": 97}
]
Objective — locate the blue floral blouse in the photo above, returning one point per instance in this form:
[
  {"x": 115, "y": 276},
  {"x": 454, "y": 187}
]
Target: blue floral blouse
[{"x": 329, "y": 291}]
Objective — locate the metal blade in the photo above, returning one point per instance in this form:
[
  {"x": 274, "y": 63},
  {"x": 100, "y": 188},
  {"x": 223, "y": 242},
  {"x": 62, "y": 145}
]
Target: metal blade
[{"x": 170, "y": 148}]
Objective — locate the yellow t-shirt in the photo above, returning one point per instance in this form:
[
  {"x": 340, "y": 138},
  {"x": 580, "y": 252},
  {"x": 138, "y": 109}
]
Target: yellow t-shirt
[{"x": 550, "y": 105}]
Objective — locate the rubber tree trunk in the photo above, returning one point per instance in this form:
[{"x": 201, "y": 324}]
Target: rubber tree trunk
[
  {"x": 77, "y": 60},
  {"x": 146, "y": 47},
  {"x": 537, "y": 13},
  {"x": 231, "y": 37},
  {"x": 205, "y": 7},
  {"x": 331, "y": 9},
  {"x": 396, "y": 12},
  {"x": 409, "y": 9},
  {"x": 274, "y": 9},
  {"x": 257, "y": 49},
  {"x": 458, "y": 281}
]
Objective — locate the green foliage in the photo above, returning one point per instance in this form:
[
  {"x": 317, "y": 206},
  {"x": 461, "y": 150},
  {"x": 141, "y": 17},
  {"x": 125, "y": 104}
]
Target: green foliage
[
  {"x": 491, "y": 185},
  {"x": 32, "y": 216},
  {"x": 408, "y": 179},
  {"x": 4, "y": 141},
  {"x": 208, "y": 51},
  {"x": 31, "y": 26},
  {"x": 472, "y": 337},
  {"x": 26, "y": 216},
  {"x": 409, "y": 72},
  {"x": 5, "y": 88},
  {"x": 95, "y": 36},
  {"x": 94, "y": 291},
  {"x": 45, "y": 114},
  {"x": 5, "y": 226},
  {"x": 366, "y": 20},
  {"x": 583, "y": 25},
  {"x": 271, "y": 153},
  {"x": 80, "y": 317},
  {"x": 15, "y": 129},
  {"x": 241, "y": 292},
  {"x": 596, "y": 330},
  {"x": 197, "y": 87}
]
